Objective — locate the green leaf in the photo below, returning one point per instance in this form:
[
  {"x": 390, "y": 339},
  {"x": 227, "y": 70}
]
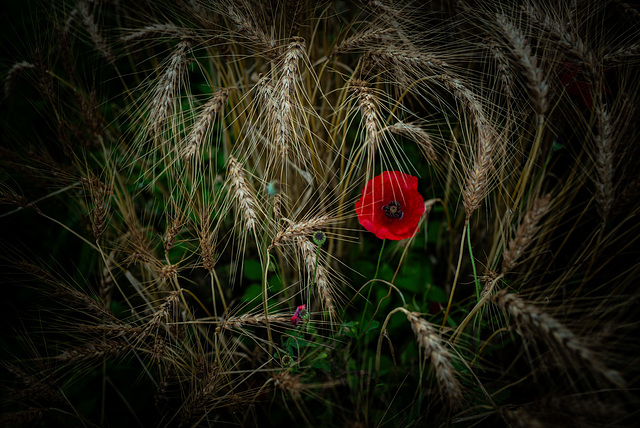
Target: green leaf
[
  {"x": 252, "y": 292},
  {"x": 414, "y": 277},
  {"x": 433, "y": 230},
  {"x": 350, "y": 329},
  {"x": 436, "y": 294},
  {"x": 294, "y": 343},
  {"x": 253, "y": 270},
  {"x": 374, "y": 326},
  {"x": 321, "y": 363},
  {"x": 275, "y": 284}
]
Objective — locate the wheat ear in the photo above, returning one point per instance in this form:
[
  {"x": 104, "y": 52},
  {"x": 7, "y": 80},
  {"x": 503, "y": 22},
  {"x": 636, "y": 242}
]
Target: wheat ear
[
  {"x": 12, "y": 75},
  {"x": 296, "y": 230},
  {"x": 167, "y": 87},
  {"x": 362, "y": 39},
  {"x": 94, "y": 32},
  {"x": 211, "y": 109},
  {"x": 243, "y": 193},
  {"x": 534, "y": 325},
  {"x": 503, "y": 66},
  {"x": 163, "y": 312},
  {"x": 567, "y": 39},
  {"x": 155, "y": 30},
  {"x": 532, "y": 72},
  {"x": 417, "y": 134},
  {"x": 525, "y": 233},
  {"x": 99, "y": 350},
  {"x": 434, "y": 349},
  {"x": 367, "y": 103},
  {"x": 255, "y": 34},
  {"x": 100, "y": 194},
  {"x": 247, "y": 319},
  {"x": 284, "y": 91},
  {"x": 604, "y": 162},
  {"x": 316, "y": 266}
]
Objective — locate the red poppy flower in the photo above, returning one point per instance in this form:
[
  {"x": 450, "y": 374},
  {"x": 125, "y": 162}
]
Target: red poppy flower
[{"x": 391, "y": 206}]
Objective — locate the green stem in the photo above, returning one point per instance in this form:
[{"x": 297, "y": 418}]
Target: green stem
[
  {"x": 313, "y": 281},
  {"x": 375, "y": 276},
  {"x": 473, "y": 262},
  {"x": 384, "y": 241}
]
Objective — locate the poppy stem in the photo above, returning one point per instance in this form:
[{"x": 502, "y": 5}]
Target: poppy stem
[
  {"x": 366, "y": 303},
  {"x": 384, "y": 241},
  {"x": 455, "y": 279}
]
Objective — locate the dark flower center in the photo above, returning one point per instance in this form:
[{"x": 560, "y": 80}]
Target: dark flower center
[{"x": 392, "y": 210}]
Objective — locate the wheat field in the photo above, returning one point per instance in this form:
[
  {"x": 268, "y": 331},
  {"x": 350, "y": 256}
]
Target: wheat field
[{"x": 183, "y": 242}]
